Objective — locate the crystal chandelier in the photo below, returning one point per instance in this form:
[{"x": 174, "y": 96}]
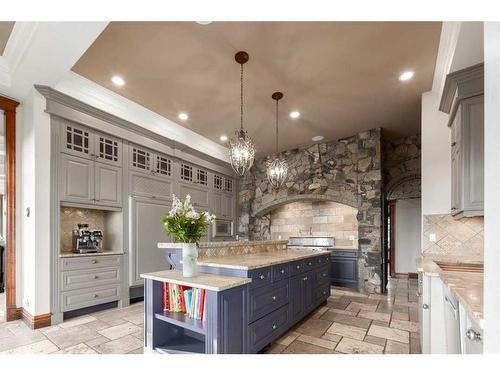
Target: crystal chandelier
[
  {"x": 277, "y": 167},
  {"x": 242, "y": 150}
]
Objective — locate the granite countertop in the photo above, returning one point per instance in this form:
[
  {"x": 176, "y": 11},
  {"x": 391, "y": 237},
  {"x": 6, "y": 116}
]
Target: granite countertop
[
  {"x": 206, "y": 281},
  {"x": 71, "y": 255},
  {"x": 466, "y": 286},
  {"x": 173, "y": 245},
  {"x": 258, "y": 260}
]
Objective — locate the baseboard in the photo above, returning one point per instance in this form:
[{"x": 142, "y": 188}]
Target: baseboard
[
  {"x": 13, "y": 313},
  {"x": 38, "y": 321}
]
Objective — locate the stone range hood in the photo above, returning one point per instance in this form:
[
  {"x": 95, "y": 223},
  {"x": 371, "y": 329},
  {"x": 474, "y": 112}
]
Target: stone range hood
[{"x": 347, "y": 171}]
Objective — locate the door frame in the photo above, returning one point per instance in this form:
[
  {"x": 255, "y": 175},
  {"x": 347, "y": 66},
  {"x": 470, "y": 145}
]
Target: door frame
[
  {"x": 9, "y": 107},
  {"x": 391, "y": 211}
]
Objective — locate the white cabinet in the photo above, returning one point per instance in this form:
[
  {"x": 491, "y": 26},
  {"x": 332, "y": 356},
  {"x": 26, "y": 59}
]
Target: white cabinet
[
  {"x": 107, "y": 149},
  {"x": 146, "y": 230},
  {"x": 432, "y": 323},
  {"x": 463, "y": 98},
  {"x": 471, "y": 334},
  {"x": 424, "y": 317}
]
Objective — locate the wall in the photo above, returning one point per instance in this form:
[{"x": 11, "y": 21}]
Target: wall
[
  {"x": 492, "y": 187},
  {"x": 322, "y": 218},
  {"x": 402, "y": 167},
  {"x": 408, "y": 223},
  {"x": 347, "y": 171}
]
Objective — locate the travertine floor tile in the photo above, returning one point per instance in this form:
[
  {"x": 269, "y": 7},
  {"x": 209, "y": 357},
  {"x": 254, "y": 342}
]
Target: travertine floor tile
[
  {"x": 66, "y": 337},
  {"x": 394, "y": 347},
  {"x": 347, "y": 331},
  {"x": 77, "y": 349},
  {"x": 122, "y": 345},
  {"x": 373, "y": 315},
  {"x": 77, "y": 321},
  {"x": 350, "y": 346},
  {"x": 347, "y": 320},
  {"x": 389, "y": 333},
  {"x": 331, "y": 337},
  {"x": 121, "y": 330},
  {"x": 356, "y": 306},
  {"x": 44, "y": 346},
  {"x": 314, "y": 327},
  {"x": 300, "y": 347},
  {"x": 375, "y": 340},
  {"x": 404, "y": 325},
  {"x": 288, "y": 338},
  {"x": 275, "y": 348},
  {"x": 97, "y": 341},
  {"x": 400, "y": 315},
  {"x": 317, "y": 341}
]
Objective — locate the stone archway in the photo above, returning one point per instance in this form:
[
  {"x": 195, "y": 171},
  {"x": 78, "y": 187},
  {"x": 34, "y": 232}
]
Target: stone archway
[{"x": 406, "y": 186}]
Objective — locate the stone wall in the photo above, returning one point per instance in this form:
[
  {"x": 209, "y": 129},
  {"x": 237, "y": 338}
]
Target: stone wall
[
  {"x": 347, "y": 171},
  {"x": 321, "y": 219},
  {"x": 402, "y": 167}
]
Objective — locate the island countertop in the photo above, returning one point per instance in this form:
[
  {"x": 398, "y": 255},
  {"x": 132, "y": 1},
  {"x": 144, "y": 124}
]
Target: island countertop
[
  {"x": 206, "y": 281},
  {"x": 258, "y": 260}
]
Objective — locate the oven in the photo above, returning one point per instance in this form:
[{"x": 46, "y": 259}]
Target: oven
[{"x": 222, "y": 228}]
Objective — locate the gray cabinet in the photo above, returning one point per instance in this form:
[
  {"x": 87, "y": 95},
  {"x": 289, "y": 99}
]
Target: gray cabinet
[
  {"x": 85, "y": 181},
  {"x": 463, "y": 98},
  {"x": 344, "y": 268},
  {"x": 77, "y": 179},
  {"x": 146, "y": 230}
]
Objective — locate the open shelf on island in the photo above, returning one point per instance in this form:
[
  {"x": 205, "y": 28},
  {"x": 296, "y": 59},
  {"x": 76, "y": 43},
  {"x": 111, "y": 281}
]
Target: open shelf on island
[
  {"x": 182, "y": 320},
  {"x": 183, "y": 345}
]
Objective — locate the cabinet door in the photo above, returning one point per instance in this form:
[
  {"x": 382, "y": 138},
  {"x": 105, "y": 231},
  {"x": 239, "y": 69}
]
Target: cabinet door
[
  {"x": 108, "y": 185},
  {"x": 216, "y": 204},
  {"x": 77, "y": 179},
  {"x": 344, "y": 272},
  {"x": 456, "y": 183},
  {"x": 227, "y": 206},
  {"x": 141, "y": 159},
  {"x": 162, "y": 166},
  {"x": 199, "y": 195},
  {"x": 296, "y": 298},
  {"x": 76, "y": 140},
  {"x": 473, "y": 153},
  {"x": 146, "y": 230},
  {"x": 149, "y": 186},
  {"x": 308, "y": 284},
  {"x": 108, "y": 149}
]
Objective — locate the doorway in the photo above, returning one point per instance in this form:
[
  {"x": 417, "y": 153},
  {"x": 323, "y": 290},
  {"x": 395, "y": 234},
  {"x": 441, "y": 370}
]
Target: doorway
[
  {"x": 8, "y": 305},
  {"x": 404, "y": 236}
]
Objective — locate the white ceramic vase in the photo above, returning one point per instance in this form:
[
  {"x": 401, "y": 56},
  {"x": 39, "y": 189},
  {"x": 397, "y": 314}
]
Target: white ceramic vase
[{"x": 189, "y": 259}]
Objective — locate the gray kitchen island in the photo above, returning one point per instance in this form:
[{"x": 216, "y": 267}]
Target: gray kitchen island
[{"x": 261, "y": 296}]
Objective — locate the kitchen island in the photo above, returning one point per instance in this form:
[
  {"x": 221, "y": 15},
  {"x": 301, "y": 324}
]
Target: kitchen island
[{"x": 283, "y": 287}]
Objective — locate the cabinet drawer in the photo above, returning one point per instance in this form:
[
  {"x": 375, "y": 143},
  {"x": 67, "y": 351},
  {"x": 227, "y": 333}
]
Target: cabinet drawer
[
  {"x": 323, "y": 275},
  {"x": 80, "y": 298},
  {"x": 297, "y": 267},
  {"x": 260, "y": 277},
  {"x": 89, "y": 278},
  {"x": 265, "y": 330},
  {"x": 309, "y": 264},
  {"x": 322, "y": 292},
  {"x": 344, "y": 253},
  {"x": 264, "y": 300},
  {"x": 96, "y": 261},
  {"x": 281, "y": 271},
  {"x": 322, "y": 260}
]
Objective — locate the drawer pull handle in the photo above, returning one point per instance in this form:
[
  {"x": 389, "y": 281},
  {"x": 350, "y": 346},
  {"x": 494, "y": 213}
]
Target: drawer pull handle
[
  {"x": 324, "y": 274},
  {"x": 324, "y": 293},
  {"x": 96, "y": 277},
  {"x": 282, "y": 271},
  {"x": 274, "y": 326},
  {"x": 425, "y": 306},
  {"x": 473, "y": 335},
  {"x": 96, "y": 295},
  {"x": 298, "y": 267},
  {"x": 319, "y": 260},
  {"x": 310, "y": 263},
  {"x": 94, "y": 261},
  {"x": 274, "y": 298},
  {"x": 305, "y": 278},
  {"x": 262, "y": 277}
]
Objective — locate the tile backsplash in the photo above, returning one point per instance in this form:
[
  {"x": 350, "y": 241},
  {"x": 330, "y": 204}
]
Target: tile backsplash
[
  {"x": 71, "y": 217},
  {"x": 322, "y": 218},
  {"x": 463, "y": 237}
]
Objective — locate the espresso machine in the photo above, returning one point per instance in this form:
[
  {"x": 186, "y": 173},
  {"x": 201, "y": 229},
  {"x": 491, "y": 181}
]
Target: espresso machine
[{"x": 87, "y": 240}]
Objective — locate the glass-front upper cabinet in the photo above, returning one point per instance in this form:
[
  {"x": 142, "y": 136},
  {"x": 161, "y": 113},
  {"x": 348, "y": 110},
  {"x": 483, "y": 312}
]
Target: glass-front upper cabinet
[
  {"x": 107, "y": 149},
  {"x": 140, "y": 159}
]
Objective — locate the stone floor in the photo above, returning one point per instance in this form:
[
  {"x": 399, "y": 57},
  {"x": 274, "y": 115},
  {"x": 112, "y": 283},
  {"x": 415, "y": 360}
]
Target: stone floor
[
  {"x": 358, "y": 323},
  {"x": 350, "y": 322}
]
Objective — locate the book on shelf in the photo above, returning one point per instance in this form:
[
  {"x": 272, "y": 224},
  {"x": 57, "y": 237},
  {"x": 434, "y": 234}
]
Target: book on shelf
[{"x": 184, "y": 299}]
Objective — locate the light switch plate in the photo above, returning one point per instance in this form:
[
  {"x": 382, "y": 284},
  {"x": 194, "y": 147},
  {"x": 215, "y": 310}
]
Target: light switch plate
[
  {"x": 432, "y": 237},
  {"x": 351, "y": 238}
]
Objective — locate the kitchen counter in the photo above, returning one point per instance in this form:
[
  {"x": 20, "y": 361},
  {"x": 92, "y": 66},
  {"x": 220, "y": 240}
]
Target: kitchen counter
[
  {"x": 258, "y": 260},
  {"x": 466, "y": 286},
  {"x": 104, "y": 253},
  {"x": 206, "y": 281}
]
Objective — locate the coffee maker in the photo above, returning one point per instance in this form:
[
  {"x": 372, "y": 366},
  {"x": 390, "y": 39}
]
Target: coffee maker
[{"x": 86, "y": 240}]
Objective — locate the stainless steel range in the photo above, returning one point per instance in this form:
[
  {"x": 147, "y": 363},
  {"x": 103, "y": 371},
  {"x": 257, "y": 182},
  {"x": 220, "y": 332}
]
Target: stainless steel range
[{"x": 311, "y": 243}]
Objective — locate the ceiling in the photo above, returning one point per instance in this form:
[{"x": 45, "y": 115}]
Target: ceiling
[
  {"x": 341, "y": 76},
  {"x": 5, "y": 30}
]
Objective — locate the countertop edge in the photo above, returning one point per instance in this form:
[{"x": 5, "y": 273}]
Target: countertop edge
[{"x": 238, "y": 281}]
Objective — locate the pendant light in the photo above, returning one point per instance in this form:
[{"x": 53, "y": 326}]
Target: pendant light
[
  {"x": 242, "y": 150},
  {"x": 277, "y": 167}
]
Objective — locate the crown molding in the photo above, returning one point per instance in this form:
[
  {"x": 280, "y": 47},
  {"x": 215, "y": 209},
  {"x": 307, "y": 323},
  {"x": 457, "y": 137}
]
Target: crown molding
[
  {"x": 450, "y": 32},
  {"x": 18, "y": 43},
  {"x": 107, "y": 101}
]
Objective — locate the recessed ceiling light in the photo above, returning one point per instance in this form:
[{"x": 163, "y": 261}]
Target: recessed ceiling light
[
  {"x": 223, "y": 138},
  {"x": 406, "y": 76},
  {"x": 317, "y": 138},
  {"x": 294, "y": 114},
  {"x": 117, "y": 80},
  {"x": 203, "y": 23},
  {"x": 183, "y": 116}
]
